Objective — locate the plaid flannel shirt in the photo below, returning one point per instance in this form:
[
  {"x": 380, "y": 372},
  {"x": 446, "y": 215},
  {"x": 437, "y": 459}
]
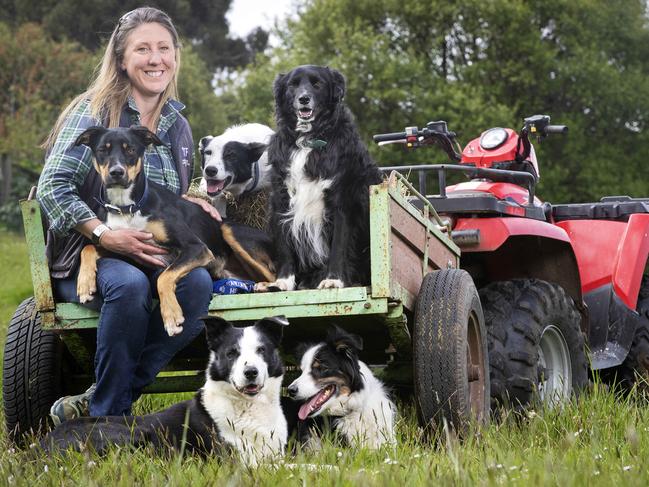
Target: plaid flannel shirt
[{"x": 67, "y": 165}]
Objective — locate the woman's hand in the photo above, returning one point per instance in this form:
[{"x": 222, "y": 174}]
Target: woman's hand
[
  {"x": 133, "y": 243},
  {"x": 205, "y": 205}
]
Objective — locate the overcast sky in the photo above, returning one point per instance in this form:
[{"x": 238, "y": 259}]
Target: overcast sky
[{"x": 245, "y": 15}]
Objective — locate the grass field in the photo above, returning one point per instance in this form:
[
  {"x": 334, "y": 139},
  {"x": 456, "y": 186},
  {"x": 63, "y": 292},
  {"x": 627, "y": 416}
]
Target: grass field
[{"x": 596, "y": 440}]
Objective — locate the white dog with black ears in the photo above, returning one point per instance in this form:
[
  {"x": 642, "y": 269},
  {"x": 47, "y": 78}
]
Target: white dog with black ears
[{"x": 235, "y": 162}]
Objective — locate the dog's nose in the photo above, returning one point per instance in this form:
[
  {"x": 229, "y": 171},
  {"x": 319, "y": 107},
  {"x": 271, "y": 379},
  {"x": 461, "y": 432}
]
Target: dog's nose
[
  {"x": 250, "y": 373},
  {"x": 304, "y": 99},
  {"x": 116, "y": 171},
  {"x": 211, "y": 171},
  {"x": 292, "y": 390}
]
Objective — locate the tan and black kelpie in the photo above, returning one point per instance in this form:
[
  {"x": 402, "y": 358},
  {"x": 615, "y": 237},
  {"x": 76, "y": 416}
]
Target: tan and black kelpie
[{"x": 189, "y": 234}]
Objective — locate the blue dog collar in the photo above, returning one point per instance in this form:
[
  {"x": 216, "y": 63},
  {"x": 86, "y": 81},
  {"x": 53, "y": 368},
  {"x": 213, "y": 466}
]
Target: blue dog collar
[{"x": 233, "y": 286}]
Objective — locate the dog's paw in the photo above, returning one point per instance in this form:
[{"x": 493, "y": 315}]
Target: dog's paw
[
  {"x": 283, "y": 284},
  {"x": 330, "y": 284},
  {"x": 172, "y": 317},
  {"x": 262, "y": 287},
  {"x": 86, "y": 287}
]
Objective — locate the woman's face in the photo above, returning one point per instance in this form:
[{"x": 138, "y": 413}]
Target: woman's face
[{"x": 149, "y": 60}]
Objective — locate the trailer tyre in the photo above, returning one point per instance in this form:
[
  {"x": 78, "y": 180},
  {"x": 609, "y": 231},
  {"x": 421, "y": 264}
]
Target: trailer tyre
[
  {"x": 30, "y": 377},
  {"x": 451, "y": 374},
  {"x": 635, "y": 368},
  {"x": 536, "y": 346}
]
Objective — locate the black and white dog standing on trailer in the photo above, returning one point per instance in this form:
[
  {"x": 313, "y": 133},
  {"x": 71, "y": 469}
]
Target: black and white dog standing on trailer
[{"x": 320, "y": 185}]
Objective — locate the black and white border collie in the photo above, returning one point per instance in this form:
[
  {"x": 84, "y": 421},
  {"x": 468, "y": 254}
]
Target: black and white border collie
[
  {"x": 238, "y": 409},
  {"x": 236, "y": 162},
  {"x": 320, "y": 184},
  {"x": 335, "y": 383}
]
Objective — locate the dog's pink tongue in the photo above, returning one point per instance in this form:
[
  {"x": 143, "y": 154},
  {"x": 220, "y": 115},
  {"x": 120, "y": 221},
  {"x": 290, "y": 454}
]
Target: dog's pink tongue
[
  {"x": 309, "y": 406},
  {"x": 215, "y": 186}
]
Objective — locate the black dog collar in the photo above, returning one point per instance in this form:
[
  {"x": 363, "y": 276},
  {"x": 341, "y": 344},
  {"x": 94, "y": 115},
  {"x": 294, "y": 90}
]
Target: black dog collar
[{"x": 127, "y": 209}]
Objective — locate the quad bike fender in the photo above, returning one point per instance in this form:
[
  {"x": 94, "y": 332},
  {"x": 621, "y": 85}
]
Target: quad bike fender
[
  {"x": 611, "y": 253},
  {"x": 631, "y": 261},
  {"x": 516, "y": 248},
  {"x": 493, "y": 232}
]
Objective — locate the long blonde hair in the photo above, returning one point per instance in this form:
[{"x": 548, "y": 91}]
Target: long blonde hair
[{"x": 111, "y": 87}]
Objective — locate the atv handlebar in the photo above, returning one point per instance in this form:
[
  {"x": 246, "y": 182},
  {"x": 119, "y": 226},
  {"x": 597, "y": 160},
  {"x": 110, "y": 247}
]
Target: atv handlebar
[
  {"x": 556, "y": 129},
  {"x": 393, "y": 137},
  {"x": 434, "y": 133}
]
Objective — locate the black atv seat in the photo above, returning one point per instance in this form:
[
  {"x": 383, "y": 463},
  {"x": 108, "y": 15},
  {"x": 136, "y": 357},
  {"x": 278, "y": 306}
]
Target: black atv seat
[{"x": 608, "y": 208}]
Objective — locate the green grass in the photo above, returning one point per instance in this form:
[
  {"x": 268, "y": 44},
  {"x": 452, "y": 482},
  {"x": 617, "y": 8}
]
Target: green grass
[{"x": 598, "y": 439}]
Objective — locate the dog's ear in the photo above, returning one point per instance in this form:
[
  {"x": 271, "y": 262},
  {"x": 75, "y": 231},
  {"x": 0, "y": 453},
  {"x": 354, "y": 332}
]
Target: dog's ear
[
  {"x": 204, "y": 142},
  {"x": 279, "y": 88},
  {"x": 215, "y": 328},
  {"x": 90, "y": 136},
  {"x": 343, "y": 342},
  {"x": 273, "y": 327},
  {"x": 145, "y": 135},
  {"x": 300, "y": 350},
  {"x": 256, "y": 149},
  {"x": 338, "y": 85}
]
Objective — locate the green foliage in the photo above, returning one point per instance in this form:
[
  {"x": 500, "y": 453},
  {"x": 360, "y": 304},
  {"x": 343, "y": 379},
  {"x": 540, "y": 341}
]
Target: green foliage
[
  {"x": 90, "y": 23},
  {"x": 480, "y": 64},
  {"x": 37, "y": 77}
]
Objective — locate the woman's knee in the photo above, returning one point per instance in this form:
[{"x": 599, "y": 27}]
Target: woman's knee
[
  {"x": 195, "y": 288},
  {"x": 120, "y": 280}
]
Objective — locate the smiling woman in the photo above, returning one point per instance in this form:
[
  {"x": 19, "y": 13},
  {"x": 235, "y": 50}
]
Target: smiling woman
[
  {"x": 135, "y": 85},
  {"x": 150, "y": 64}
]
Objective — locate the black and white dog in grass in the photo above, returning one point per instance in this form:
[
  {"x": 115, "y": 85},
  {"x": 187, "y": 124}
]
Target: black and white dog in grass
[
  {"x": 335, "y": 383},
  {"x": 320, "y": 185},
  {"x": 235, "y": 162},
  {"x": 237, "y": 410}
]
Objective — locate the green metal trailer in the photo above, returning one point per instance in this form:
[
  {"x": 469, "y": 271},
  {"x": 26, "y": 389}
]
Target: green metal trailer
[{"x": 420, "y": 320}]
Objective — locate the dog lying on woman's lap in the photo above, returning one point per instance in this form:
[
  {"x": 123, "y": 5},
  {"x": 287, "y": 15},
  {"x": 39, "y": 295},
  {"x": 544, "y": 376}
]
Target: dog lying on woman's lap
[{"x": 321, "y": 176}]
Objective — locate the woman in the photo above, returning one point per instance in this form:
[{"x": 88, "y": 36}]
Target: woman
[{"x": 136, "y": 84}]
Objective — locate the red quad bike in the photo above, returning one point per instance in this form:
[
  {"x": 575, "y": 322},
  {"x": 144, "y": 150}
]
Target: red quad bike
[{"x": 560, "y": 285}]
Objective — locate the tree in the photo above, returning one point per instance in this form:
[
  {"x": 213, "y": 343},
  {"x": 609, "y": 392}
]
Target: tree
[
  {"x": 480, "y": 64},
  {"x": 36, "y": 77},
  {"x": 90, "y": 23}
]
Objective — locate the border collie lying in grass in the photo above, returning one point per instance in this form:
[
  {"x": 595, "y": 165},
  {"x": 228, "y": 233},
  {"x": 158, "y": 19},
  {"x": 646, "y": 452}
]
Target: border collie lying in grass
[
  {"x": 335, "y": 383},
  {"x": 238, "y": 409}
]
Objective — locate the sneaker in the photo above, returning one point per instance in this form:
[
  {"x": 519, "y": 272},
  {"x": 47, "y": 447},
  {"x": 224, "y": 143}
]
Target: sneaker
[{"x": 70, "y": 407}]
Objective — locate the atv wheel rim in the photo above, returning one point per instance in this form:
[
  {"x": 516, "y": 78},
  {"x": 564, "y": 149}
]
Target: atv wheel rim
[
  {"x": 475, "y": 368},
  {"x": 555, "y": 370}
]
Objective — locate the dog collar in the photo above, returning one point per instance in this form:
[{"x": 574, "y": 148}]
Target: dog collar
[
  {"x": 254, "y": 182},
  {"x": 126, "y": 209},
  {"x": 317, "y": 144}
]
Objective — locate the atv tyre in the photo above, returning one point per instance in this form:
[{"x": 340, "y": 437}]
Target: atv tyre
[
  {"x": 451, "y": 371},
  {"x": 536, "y": 346},
  {"x": 635, "y": 368},
  {"x": 31, "y": 375}
]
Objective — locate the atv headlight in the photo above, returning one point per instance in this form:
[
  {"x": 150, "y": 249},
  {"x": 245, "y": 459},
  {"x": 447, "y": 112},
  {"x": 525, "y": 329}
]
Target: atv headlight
[{"x": 493, "y": 138}]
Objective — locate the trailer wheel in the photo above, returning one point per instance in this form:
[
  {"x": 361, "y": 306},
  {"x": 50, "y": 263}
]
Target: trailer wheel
[
  {"x": 30, "y": 376},
  {"x": 536, "y": 347},
  {"x": 451, "y": 374},
  {"x": 635, "y": 368}
]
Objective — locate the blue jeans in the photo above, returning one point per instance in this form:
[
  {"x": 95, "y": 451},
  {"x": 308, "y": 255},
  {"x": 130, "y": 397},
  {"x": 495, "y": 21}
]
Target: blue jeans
[{"x": 132, "y": 344}]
